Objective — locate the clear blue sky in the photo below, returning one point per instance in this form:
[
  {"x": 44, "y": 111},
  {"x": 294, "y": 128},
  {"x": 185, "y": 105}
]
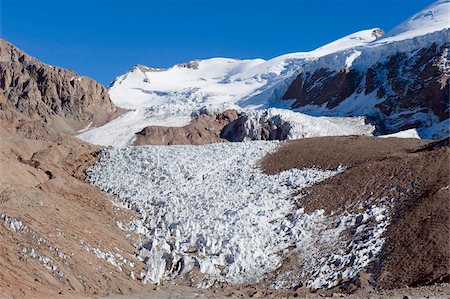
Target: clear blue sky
[{"x": 103, "y": 39}]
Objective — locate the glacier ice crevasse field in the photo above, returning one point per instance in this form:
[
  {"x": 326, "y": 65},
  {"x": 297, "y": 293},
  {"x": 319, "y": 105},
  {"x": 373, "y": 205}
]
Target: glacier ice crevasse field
[{"x": 211, "y": 208}]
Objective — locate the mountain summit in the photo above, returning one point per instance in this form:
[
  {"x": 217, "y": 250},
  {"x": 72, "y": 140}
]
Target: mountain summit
[{"x": 396, "y": 82}]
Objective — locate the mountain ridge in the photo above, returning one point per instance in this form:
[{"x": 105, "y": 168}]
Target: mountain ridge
[
  {"x": 60, "y": 97},
  {"x": 360, "y": 75}
]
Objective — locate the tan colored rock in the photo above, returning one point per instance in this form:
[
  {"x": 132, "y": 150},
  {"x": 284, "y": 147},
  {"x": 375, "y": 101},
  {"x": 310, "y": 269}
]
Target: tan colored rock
[
  {"x": 204, "y": 129},
  {"x": 63, "y": 99},
  {"x": 63, "y": 219}
]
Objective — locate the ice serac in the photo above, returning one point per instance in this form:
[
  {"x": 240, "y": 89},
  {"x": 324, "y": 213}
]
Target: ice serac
[
  {"x": 400, "y": 80},
  {"x": 66, "y": 101},
  {"x": 282, "y": 124}
]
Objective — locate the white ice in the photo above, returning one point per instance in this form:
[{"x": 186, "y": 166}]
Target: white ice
[{"x": 211, "y": 208}]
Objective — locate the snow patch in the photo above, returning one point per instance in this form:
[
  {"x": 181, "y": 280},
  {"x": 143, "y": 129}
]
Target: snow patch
[
  {"x": 43, "y": 260},
  {"x": 115, "y": 259},
  {"x": 349, "y": 60},
  {"x": 411, "y": 133},
  {"x": 13, "y": 224}
]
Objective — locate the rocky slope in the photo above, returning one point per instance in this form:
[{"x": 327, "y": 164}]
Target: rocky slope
[
  {"x": 63, "y": 99},
  {"x": 411, "y": 175},
  {"x": 59, "y": 235}
]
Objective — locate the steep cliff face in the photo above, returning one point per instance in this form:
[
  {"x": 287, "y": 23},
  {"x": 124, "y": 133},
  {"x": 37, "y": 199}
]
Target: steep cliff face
[
  {"x": 60, "y": 97},
  {"x": 323, "y": 86},
  {"x": 401, "y": 91}
]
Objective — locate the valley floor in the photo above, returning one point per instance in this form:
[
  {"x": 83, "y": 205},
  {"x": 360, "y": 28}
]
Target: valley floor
[{"x": 176, "y": 292}]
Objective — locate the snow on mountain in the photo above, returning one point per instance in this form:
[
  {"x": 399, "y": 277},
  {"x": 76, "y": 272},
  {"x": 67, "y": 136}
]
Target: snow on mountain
[
  {"x": 432, "y": 19},
  {"x": 349, "y": 77},
  {"x": 400, "y": 80},
  {"x": 169, "y": 96},
  {"x": 217, "y": 80},
  {"x": 197, "y": 82},
  {"x": 236, "y": 231}
]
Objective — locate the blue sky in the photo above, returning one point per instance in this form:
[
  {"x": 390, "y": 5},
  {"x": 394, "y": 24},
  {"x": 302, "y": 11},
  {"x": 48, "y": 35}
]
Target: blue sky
[{"x": 103, "y": 39}]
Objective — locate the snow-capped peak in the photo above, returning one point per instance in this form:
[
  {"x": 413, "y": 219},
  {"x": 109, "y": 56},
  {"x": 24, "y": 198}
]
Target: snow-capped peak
[
  {"x": 435, "y": 17},
  {"x": 171, "y": 95},
  {"x": 356, "y": 39},
  {"x": 219, "y": 80}
]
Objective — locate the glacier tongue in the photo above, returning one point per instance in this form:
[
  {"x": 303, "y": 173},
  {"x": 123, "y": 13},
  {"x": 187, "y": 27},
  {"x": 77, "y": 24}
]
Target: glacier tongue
[
  {"x": 207, "y": 206},
  {"x": 211, "y": 208}
]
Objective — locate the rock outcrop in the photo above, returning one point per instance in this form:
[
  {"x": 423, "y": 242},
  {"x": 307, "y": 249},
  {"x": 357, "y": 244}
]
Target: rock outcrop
[
  {"x": 203, "y": 129},
  {"x": 63, "y": 99},
  {"x": 407, "y": 90}
]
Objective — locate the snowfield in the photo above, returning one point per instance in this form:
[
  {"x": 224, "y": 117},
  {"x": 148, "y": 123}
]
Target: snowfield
[
  {"x": 432, "y": 19},
  {"x": 219, "y": 80},
  {"x": 169, "y": 97},
  {"x": 211, "y": 208}
]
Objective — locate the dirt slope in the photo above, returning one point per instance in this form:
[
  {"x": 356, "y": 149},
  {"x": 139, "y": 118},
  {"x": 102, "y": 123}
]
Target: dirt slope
[
  {"x": 58, "y": 234},
  {"x": 413, "y": 174}
]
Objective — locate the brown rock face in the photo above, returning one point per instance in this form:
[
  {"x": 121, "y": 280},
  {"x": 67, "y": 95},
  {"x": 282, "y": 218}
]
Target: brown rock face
[
  {"x": 204, "y": 129},
  {"x": 406, "y": 85},
  {"x": 308, "y": 88},
  {"x": 42, "y": 187},
  {"x": 60, "y": 97},
  {"x": 414, "y": 82}
]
